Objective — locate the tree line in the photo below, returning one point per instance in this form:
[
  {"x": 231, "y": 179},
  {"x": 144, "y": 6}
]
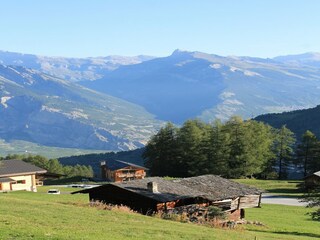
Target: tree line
[
  {"x": 233, "y": 149},
  {"x": 53, "y": 165}
]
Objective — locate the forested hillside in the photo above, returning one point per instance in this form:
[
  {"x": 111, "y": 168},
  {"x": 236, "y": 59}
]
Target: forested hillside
[
  {"x": 53, "y": 165},
  {"x": 93, "y": 160},
  {"x": 297, "y": 121}
]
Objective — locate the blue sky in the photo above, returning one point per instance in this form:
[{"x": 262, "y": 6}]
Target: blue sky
[{"x": 79, "y": 28}]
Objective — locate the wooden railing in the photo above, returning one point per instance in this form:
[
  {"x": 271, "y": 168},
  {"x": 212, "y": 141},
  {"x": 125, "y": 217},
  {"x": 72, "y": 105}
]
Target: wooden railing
[{"x": 122, "y": 175}]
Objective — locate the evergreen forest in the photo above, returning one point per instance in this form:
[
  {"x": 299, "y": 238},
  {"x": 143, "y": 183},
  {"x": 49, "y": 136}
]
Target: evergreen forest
[{"x": 233, "y": 149}]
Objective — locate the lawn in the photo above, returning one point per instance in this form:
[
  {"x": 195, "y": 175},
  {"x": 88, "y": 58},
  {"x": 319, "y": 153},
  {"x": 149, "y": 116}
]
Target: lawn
[
  {"x": 287, "y": 188},
  {"x": 25, "y": 215},
  {"x": 284, "y": 222}
]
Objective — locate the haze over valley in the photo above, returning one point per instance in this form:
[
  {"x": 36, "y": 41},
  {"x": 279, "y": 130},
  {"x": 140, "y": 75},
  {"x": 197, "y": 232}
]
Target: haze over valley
[{"x": 117, "y": 103}]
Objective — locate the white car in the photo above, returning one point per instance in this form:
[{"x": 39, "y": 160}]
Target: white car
[{"x": 53, "y": 191}]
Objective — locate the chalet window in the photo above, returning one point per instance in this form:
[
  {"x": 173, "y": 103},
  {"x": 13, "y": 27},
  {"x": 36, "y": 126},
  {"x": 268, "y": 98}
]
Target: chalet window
[{"x": 20, "y": 182}]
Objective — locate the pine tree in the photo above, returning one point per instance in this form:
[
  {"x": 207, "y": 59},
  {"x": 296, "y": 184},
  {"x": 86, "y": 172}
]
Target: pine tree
[
  {"x": 258, "y": 153},
  {"x": 161, "y": 156},
  {"x": 283, "y": 148},
  {"x": 236, "y": 132},
  {"x": 308, "y": 152},
  {"x": 192, "y": 138},
  {"x": 218, "y": 150}
]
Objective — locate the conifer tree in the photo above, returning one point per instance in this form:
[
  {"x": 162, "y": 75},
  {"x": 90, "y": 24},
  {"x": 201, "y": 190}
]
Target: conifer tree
[
  {"x": 218, "y": 150},
  {"x": 308, "y": 153},
  {"x": 192, "y": 139},
  {"x": 161, "y": 152},
  {"x": 283, "y": 148}
]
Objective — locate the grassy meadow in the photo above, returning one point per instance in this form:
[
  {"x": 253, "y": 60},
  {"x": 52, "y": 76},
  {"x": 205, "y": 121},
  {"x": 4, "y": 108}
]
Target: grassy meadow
[
  {"x": 24, "y": 147},
  {"x": 286, "y": 188},
  {"x": 26, "y": 215}
]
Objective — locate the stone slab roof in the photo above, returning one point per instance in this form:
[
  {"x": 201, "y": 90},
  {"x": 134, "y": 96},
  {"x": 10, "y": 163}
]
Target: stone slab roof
[
  {"x": 217, "y": 188},
  {"x": 210, "y": 187}
]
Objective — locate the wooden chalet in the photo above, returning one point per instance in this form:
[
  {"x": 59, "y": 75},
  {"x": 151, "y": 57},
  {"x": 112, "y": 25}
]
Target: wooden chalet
[
  {"x": 158, "y": 194},
  {"x": 19, "y": 175},
  {"x": 120, "y": 171},
  {"x": 231, "y": 196},
  {"x": 312, "y": 180}
]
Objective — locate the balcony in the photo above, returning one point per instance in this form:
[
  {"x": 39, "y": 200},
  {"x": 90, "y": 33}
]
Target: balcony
[{"x": 130, "y": 175}]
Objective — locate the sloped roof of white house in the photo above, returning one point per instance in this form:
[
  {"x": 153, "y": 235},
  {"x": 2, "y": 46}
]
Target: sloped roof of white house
[
  {"x": 10, "y": 168},
  {"x": 6, "y": 180}
]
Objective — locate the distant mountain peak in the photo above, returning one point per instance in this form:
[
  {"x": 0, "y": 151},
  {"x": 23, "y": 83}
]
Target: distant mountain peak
[{"x": 180, "y": 52}]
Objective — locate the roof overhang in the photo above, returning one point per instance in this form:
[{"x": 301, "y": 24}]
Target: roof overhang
[
  {"x": 6, "y": 180},
  {"x": 22, "y": 173}
]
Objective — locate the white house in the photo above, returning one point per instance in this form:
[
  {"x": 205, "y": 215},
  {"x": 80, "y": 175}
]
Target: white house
[{"x": 19, "y": 175}]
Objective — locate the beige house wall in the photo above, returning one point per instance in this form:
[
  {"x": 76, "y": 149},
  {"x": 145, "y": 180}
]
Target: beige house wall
[
  {"x": 29, "y": 185},
  {"x": 5, "y": 186}
]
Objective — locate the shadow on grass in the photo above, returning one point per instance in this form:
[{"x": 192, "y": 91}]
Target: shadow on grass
[
  {"x": 60, "y": 181},
  {"x": 285, "y": 190},
  {"x": 314, "y": 235},
  {"x": 282, "y": 195}
]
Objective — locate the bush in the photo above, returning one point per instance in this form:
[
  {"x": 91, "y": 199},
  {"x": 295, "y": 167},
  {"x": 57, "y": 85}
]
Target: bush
[
  {"x": 172, "y": 216},
  {"x": 312, "y": 197},
  {"x": 316, "y": 215},
  {"x": 215, "y": 213}
]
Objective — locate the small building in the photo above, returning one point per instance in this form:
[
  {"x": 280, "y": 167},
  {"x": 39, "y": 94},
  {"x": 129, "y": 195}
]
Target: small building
[
  {"x": 231, "y": 196},
  {"x": 19, "y": 175},
  {"x": 158, "y": 194},
  {"x": 312, "y": 180},
  {"x": 120, "y": 171}
]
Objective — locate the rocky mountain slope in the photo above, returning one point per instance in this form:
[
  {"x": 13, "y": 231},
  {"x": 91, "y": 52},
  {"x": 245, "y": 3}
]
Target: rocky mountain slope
[
  {"x": 194, "y": 84},
  {"x": 39, "y": 108},
  {"x": 306, "y": 59},
  {"x": 71, "y": 69}
]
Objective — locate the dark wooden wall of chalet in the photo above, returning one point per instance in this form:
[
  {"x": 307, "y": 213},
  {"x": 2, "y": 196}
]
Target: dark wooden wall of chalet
[
  {"x": 115, "y": 195},
  {"x": 312, "y": 181}
]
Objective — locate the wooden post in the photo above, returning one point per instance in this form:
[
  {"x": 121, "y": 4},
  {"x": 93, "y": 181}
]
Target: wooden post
[
  {"x": 33, "y": 183},
  {"x": 260, "y": 200}
]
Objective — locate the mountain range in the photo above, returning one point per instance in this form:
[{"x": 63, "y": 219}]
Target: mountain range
[
  {"x": 194, "y": 84},
  {"x": 117, "y": 103},
  {"x": 43, "y": 109},
  {"x": 71, "y": 69}
]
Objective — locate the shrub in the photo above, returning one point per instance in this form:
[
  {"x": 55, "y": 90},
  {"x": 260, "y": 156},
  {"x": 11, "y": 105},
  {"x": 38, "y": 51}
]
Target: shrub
[
  {"x": 111, "y": 207},
  {"x": 215, "y": 213},
  {"x": 172, "y": 216}
]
